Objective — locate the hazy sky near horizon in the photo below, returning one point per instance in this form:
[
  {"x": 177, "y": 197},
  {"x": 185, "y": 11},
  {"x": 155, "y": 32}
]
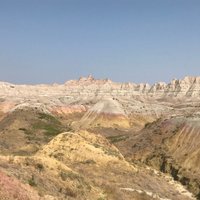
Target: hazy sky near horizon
[{"x": 47, "y": 41}]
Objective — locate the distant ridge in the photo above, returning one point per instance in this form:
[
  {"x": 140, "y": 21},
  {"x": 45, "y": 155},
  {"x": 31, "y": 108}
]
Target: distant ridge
[{"x": 89, "y": 86}]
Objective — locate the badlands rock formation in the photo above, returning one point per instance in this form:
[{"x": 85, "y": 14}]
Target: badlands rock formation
[
  {"x": 97, "y": 139},
  {"x": 90, "y": 87},
  {"x": 78, "y": 96},
  {"x": 105, "y": 113},
  {"x": 96, "y": 99}
]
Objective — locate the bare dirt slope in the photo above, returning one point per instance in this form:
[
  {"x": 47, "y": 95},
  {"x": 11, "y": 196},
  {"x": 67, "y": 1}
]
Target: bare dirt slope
[{"x": 83, "y": 165}]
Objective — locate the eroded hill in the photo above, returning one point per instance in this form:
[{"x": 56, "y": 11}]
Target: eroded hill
[{"x": 96, "y": 139}]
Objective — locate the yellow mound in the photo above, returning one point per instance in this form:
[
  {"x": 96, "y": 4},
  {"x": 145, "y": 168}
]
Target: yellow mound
[{"x": 82, "y": 147}]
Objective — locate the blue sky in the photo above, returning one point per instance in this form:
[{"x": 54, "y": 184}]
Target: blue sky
[{"x": 46, "y": 41}]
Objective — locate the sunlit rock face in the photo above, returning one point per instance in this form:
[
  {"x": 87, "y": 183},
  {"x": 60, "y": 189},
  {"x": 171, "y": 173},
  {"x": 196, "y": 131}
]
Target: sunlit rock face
[{"x": 90, "y": 87}]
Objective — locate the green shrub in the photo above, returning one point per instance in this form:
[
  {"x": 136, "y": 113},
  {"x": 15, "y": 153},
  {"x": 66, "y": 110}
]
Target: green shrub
[
  {"x": 40, "y": 167},
  {"x": 117, "y": 138},
  {"x": 32, "y": 182}
]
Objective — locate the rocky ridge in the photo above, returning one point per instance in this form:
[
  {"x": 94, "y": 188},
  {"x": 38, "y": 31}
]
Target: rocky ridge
[{"x": 89, "y": 87}]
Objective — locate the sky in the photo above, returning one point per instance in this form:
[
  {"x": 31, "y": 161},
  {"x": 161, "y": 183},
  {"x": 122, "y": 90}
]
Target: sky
[{"x": 47, "y": 41}]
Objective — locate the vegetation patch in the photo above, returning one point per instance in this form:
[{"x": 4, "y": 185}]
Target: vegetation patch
[
  {"x": 70, "y": 175},
  {"x": 46, "y": 123},
  {"x": 39, "y": 167},
  {"x": 90, "y": 161},
  {"x": 50, "y": 129},
  {"x": 117, "y": 138},
  {"x": 32, "y": 182},
  {"x": 26, "y": 131},
  {"x": 49, "y": 124},
  {"x": 111, "y": 152},
  {"x": 49, "y": 117},
  {"x": 148, "y": 124}
]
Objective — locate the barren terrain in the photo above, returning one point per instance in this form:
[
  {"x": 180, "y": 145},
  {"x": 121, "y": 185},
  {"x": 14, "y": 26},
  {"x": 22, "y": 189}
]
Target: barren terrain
[{"x": 97, "y": 139}]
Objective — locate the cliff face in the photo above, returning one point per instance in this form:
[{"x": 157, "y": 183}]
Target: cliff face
[{"x": 90, "y": 87}]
